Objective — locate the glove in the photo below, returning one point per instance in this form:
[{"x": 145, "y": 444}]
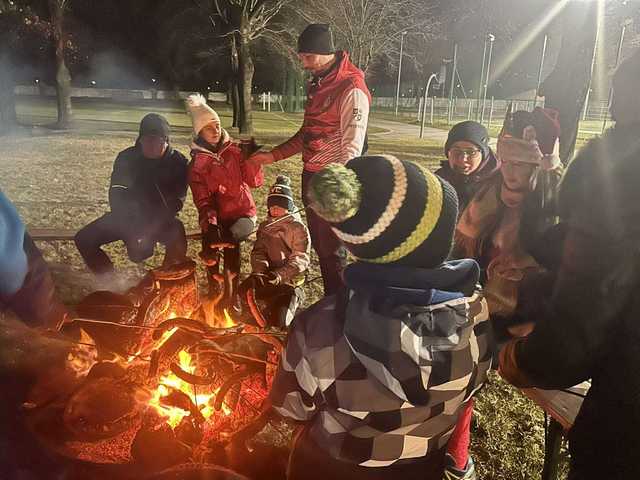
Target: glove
[
  {"x": 273, "y": 278},
  {"x": 212, "y": 237},
  {"x": 259, "y": 280}
]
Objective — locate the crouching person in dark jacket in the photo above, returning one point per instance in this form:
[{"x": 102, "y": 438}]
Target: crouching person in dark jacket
[
  {"x": 148, "y": 188},
  {"x": 26, "y": 287},
  {"x": 588, "y": 327},
  {"x": 280, "y": 257},
  {"x": 380, "y": 372}
]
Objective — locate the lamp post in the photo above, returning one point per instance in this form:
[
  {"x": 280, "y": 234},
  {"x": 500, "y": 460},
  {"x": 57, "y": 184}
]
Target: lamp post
[
  {"x": 484, "y": 59},
  {"x": 399, "y": 71},
  {"x": 424, "y": 104},
  {"x": 544, "y": 52},
  {"x": 623, "y": 31},
  {"x": 453, "y": 78},
  {"x": 491, "y": 39}
]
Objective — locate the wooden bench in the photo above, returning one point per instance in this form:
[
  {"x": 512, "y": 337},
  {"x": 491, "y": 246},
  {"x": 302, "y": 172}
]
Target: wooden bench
[
  {"x": 66, "y": 235},
  {"x": 562, "y": 406}
]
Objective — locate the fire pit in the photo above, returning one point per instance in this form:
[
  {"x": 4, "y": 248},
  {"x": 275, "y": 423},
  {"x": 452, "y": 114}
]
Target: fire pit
[{"x": 159, "y": 378}]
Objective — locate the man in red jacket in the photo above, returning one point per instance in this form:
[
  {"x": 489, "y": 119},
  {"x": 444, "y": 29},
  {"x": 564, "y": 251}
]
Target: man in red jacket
[{"x": 333, "y": 131}]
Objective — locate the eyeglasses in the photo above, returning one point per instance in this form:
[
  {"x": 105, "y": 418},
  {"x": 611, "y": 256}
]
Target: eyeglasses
[{"x": 460, "y": 153}]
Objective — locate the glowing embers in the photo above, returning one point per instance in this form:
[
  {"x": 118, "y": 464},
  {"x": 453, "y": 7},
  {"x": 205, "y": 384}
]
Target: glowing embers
[{"x": 175, "y": 399}]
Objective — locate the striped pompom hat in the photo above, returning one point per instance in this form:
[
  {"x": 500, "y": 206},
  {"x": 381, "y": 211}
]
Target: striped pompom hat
[{"x": 387, "y": 211}]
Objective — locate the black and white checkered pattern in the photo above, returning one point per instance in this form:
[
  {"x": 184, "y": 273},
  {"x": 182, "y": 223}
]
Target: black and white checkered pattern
[{"x": 383, "y": 389}]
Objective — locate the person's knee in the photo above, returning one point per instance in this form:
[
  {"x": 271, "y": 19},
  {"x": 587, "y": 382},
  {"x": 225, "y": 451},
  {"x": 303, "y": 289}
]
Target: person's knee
[
  {"x": 242, "y": 228},
  {"x": 85, "y": 239}
]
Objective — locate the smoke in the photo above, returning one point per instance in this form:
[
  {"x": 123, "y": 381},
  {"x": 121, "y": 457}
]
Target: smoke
[
  {"x": 118, "y": 282},
  {"x": 115, "y": 69}
]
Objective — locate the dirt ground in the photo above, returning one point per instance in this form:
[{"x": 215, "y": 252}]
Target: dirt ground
[{"x": 60, "y": 179}]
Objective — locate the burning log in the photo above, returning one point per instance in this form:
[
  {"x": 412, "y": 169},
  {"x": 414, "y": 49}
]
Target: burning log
[
  {"x": 156, "y": 449},
  {"x": 190, "y": 377},
  {"x": 189, "y": 431},
  {"x": 197, "y": 471},
  {"x": 233, "y": 380},
  {"x": 101, "y": 408},
  {"x": 179, "y": 399}
]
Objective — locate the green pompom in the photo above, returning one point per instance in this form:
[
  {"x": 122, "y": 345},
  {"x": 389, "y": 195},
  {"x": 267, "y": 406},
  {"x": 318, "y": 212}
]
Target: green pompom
[{"x": 335, "y": 193}]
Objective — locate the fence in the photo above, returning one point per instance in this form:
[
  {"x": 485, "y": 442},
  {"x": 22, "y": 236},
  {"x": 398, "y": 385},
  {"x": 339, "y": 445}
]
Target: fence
[
  {"x": 439, "y": 111},
  {"x": 491, "y": 112}
]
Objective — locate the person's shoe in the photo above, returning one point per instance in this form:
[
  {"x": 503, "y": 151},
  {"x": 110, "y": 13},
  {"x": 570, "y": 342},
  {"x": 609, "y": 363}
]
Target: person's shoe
[{"x": 451, "y": 472}]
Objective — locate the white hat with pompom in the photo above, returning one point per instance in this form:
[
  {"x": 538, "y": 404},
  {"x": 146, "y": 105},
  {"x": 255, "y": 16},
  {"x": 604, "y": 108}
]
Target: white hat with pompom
[{"x": 201, "y": 113}]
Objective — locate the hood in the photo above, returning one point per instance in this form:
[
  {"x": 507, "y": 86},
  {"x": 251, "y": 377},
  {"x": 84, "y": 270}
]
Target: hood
[
  {"x": 423, "y": 319},
  {"x": 489, "y": 167},
  {"x": 224, "y": 143}
]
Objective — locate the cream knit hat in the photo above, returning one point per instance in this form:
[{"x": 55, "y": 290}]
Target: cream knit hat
[{"x": 201, "y": 113}]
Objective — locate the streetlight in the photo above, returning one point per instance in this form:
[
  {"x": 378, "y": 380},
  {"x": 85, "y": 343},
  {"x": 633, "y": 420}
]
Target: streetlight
[
  {"x": 484, "y": 59},
  {"x": 424, "y": 104},
  {"x": 399, "y": 71},
  {"x": 625, "y": 24},
  {"x": 544, "y": 52},
  {"x": 491, "y": 39},
  {"x": 453, "y": 80}
]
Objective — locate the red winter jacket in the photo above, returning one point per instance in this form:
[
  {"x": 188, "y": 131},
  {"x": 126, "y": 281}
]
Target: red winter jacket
[
  {"x": 221, "y": 183},
  {"x": 335, "y": 118}
]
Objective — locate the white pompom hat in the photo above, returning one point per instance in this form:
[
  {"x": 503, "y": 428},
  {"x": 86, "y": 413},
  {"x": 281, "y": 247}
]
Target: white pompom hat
[{"x": 201, "y": 113}]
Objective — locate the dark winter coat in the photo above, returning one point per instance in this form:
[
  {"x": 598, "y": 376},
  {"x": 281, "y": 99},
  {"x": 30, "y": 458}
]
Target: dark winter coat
[
  {"x": 221, "y": 183},
  {"x": 467, "y": 185},
  {"x": 381, "y": 377},
  {"x": 590, "y": 327},
  {"x": 282, "y": 246},
  {"x": 144, "y": 190}
]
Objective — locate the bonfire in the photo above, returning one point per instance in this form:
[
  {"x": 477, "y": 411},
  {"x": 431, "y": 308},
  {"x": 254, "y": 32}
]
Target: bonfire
[{"x": 160, "y": 378}]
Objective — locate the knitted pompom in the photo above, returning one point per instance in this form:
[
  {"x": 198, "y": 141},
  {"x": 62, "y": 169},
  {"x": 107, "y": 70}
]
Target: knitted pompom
[
  {"x": 195, "y": 100},
  {"x": 283, "y": 180},
  {"x": 335, "y": 193}
]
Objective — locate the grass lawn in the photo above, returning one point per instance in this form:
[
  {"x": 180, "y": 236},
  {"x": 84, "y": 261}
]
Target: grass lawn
[{"x": 60, "y": 179}]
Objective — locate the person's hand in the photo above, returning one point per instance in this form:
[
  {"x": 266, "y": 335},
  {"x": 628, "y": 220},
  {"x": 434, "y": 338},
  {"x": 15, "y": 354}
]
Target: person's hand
[
  {"x": 214, "y": 238},
  {"x": 259, "y": 280},
  {"x": 262, "y": 158},
  {"x": 510, "y": 266},
  {"x": 273, "y": 278}
]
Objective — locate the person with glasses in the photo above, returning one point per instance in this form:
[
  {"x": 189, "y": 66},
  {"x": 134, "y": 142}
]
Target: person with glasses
[
  {"x": 470, "y": 161},
  {"x": 499, "y": 228},
  {"x": 148, "y": 188}
]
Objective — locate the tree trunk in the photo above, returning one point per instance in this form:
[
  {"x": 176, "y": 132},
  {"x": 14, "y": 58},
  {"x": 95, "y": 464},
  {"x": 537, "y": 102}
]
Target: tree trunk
[
  {"x": 565, "y": 89},
  {"x": 245, "y": 84},
  {"x": 233, "y": 82},
  {"x": 8, "y": 119},
  {"x": 63, "y": 78}
]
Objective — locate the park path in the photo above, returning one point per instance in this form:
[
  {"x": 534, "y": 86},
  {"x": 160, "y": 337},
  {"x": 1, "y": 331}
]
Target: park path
[{"x": 401, "y": 129}]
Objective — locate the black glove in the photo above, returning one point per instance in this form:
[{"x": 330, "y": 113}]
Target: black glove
[
  {"x": 212, "y": 237},
  {"x": 272, "y": 278}
]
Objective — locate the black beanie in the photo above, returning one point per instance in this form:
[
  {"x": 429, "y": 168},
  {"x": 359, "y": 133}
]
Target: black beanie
[
  {"x": 387, "y": 211},
  {"x": 280, "y": 194},
  {"x": 154, "y": 124},
  {"x": 469, "y": 131},
  {"x": 316, "y": 38}
]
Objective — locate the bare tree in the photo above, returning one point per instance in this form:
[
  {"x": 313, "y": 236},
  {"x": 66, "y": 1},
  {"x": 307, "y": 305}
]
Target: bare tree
[
  {"x": 232, "y": 27},
  {"x": 371, "y": 29},
  {"x": 63, "y": 77}
]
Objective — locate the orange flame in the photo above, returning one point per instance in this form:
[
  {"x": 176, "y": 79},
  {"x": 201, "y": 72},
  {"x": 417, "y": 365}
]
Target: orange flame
[
  {"x": 228, "y": 321},
  {"x": 170, "y": 382},
  {"x": 82, "y": 357}
]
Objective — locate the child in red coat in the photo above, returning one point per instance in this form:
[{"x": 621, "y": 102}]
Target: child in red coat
[{"x": 221, "y": 182}]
